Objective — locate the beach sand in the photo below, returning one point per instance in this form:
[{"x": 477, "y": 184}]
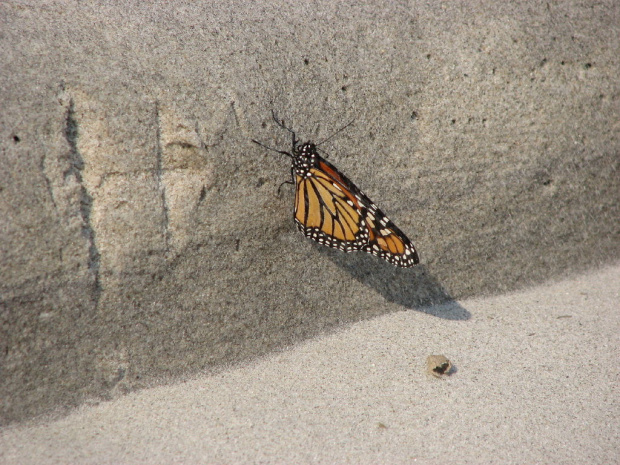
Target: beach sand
[{"x": 534, "y": 380}]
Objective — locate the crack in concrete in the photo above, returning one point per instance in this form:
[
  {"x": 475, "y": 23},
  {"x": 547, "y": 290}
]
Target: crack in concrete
[
  {"x": 48, "y": 182},
  {"x": 160, "y": 185},
  {"x": 86, "y": 201}
]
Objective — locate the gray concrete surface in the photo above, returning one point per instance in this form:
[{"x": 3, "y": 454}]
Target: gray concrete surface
[{"x": 142, "y": 236}]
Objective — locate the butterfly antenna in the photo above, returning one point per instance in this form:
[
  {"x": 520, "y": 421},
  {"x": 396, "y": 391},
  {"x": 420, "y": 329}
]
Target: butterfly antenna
[
  {"x": 337, "y": 132},
  {"x": 283, "y": 126},
  {"x": 325, "y": 153},
  {"x": 272, "y": 149}
]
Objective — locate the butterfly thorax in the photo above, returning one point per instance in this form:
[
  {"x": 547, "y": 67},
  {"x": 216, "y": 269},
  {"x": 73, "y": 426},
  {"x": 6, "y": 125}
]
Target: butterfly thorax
[{"x": 305, "y": 157}]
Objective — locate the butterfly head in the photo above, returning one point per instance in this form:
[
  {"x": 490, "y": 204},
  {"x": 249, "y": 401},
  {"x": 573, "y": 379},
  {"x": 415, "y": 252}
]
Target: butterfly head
[
  {"x": 307, "y": 150},
  {"x": 305, "y": 156}
]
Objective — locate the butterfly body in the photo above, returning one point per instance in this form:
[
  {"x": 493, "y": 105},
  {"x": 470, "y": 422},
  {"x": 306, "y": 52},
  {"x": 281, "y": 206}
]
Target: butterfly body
[{"x": 333, "y": 211}]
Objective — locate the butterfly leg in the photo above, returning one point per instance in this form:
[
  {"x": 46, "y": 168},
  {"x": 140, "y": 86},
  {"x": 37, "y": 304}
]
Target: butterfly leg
[
  {"x": 285, "y": 182},
  {"x": 292, "y": 181}
]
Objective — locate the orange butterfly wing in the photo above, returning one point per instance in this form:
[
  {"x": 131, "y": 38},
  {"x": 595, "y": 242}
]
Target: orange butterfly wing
[{"x": 331, "y": 210}]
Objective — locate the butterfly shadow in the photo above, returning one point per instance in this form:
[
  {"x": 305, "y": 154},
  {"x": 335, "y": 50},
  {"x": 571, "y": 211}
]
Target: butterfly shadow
[{"x": 413, "y": 288}]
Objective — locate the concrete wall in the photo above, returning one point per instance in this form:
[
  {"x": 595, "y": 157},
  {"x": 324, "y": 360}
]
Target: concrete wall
[{"x": 142, "y": 236}]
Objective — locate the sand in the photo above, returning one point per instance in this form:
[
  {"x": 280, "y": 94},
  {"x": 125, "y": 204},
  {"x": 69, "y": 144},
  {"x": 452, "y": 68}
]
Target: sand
[{"x": 534, "y": 380}]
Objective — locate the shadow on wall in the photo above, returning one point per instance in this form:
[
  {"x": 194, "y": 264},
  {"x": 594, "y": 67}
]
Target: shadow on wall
[{"x": 413, "y": 288}]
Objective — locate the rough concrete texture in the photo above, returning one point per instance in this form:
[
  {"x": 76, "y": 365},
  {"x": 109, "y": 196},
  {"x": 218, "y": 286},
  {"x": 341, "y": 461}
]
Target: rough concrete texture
[{"x": 143, "y": 238}]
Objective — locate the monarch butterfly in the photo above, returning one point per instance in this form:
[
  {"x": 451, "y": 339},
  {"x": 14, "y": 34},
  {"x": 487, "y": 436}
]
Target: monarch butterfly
[{"x": 333, "y": 211}]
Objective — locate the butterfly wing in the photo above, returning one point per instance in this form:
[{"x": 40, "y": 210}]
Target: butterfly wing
[
  {"x": 333, "y": 211},
  {"x": 325, "y": 213}
]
